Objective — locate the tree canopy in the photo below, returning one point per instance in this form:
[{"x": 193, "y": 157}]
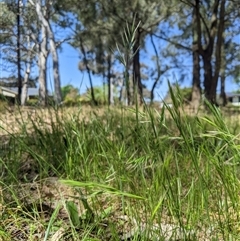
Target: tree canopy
[{"x": 131, "y": 46}]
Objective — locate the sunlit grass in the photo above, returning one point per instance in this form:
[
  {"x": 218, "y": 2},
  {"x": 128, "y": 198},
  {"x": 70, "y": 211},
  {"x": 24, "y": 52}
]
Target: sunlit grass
[{"x": 135, "y": 175}]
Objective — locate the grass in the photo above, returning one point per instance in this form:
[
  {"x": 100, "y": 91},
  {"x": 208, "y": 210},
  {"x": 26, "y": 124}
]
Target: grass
[{"x": 120, "y": 175}]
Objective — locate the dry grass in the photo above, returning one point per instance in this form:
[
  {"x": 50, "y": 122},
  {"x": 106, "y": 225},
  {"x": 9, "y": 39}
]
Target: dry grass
[{"x": 13, "y": 119}]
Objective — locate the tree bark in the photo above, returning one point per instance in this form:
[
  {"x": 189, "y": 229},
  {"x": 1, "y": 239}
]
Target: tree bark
[
  {"x": 210, "y": 85},
  {"x": 196, "y": 81},
  {"x": 53, "y": 50},
  {"x": 109, "y": 79},
  {"x": 207, "y": 66},
  {"x": 42, "y": 66},
  {"x": 137, "y": 83},
  {"x": 27, "y": 73},
  {"x": 88, "y": 71},
  {"x": 56, "y": 75},
  {"x": 223, "y": 97},
  {"x": 218, "y": 51},
  {"x": 19, "y": 52},
  {"x": 127, "y": 85},
  {"x": 158, "y": 70}
]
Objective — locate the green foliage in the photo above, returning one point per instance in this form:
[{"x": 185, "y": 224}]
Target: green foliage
[
  {"x": 73, "y": 213},
  {"x": 101, "y": 95},
  {"x": 186, "y": 94},
  {"x": 7, "y": 21},
  {"x": 32, "y": 102},
  {"x": 69, "y": 91},
  {"x": 70, "y": 95},
  {"x": 3, "y": 105}
]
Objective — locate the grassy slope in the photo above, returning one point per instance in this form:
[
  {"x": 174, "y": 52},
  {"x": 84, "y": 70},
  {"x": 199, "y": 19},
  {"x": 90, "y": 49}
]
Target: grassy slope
[{"x": 134, "y": 170}]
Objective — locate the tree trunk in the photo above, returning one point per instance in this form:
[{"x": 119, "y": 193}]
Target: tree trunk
[
  {"x": 42, "y": 66},
  {"x": 56, "y": 76},
  {"x": 223, "y": 97},
  {"x": 127, "y": 87},
  {"x": 210, "y": 84},
  {"x": 159, "y": 72},
  {"x": 25, "y": 85},
  {"x": 152, "y": 91},
  {"x": 27, "y": 73},
  {"x": 210, "y": 93},
  {"x": 121, "y": 86},
  {"x": 53, "y": 50},
  {"x": 196, "y": 82},
  {"x": 88, "y": 70},
  {"x": 219, "y": 43},
  {"x": 137, "y": 83},
  {"x": 18, "y": 52},
  {"x": 109, "y": 79}
]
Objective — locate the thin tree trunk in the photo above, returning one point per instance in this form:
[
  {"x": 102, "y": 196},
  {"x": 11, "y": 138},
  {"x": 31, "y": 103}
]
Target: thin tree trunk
[
  {"x": 109, "y": 79},
  {"x": 207, "y": 66},
  {"x": 88, "y": 71},
  {"x": 121, "y": 92},
  {"x": 137, "y": 84},
  {"x": 158, "y": 70},
  {"x": 127, "y": 83},
  {"x": 196, "y": 82},
  {"x": 223, "y": 97},
  {"x": 27, "y": 71},
  {"x": 25, "y": 85},
  {"x": 126, "y": 80},
  {"x": 56, "y": 75},
  {"x": 42, "y": 66},
  {"x": 218, "y": 51},
  {"x": 19, "y": 52}
]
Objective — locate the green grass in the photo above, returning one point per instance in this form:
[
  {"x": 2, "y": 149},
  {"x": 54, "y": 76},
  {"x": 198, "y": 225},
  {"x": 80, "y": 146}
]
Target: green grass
[{"x": 129, "y": 169}]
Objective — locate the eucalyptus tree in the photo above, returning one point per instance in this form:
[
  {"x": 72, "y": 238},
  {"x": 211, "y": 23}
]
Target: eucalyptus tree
[
  {"x": 95, "y": 46},
  {"x": 219, "y": 33},
  {"x": 144, "y": 16},
  {"x": 19, "y": 9},
  {"x": 43, "y": 10},
  {"x": 230, "y": 58},
  {"x": 203, "y": 27},
  {"x": 210, "y": 21},
  {"x": 14, "y": 9},
  {"x": 31, "y": 46},
  {"x": 14, "y": 50},
  {"x": 103, "y": 23},
  {"x": 196, "y": 78}
]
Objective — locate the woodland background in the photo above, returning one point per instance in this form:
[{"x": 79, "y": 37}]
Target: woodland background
[{"x": 196, "y": 39}]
